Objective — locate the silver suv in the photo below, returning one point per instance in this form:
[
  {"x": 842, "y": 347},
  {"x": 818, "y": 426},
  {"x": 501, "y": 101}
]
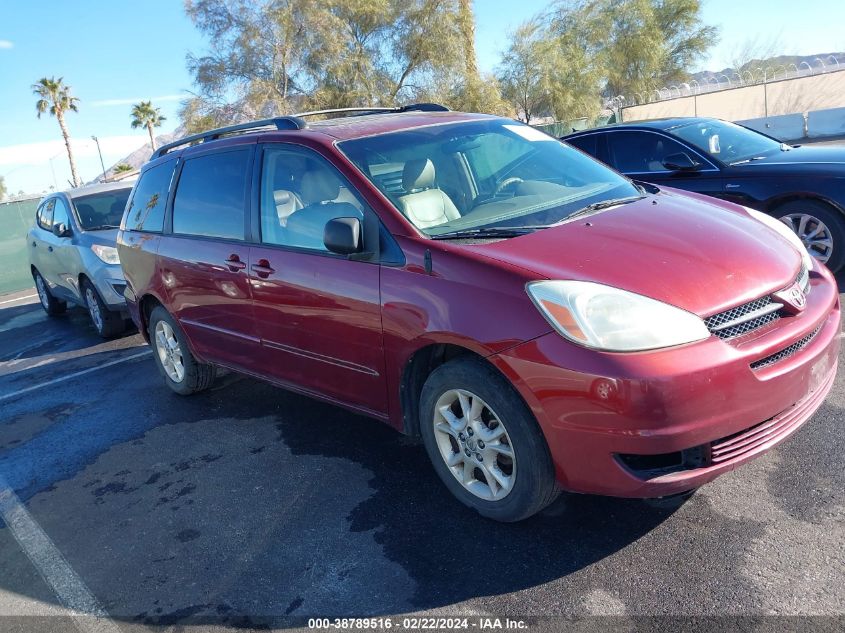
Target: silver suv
[{"x": 73, "y": 257}]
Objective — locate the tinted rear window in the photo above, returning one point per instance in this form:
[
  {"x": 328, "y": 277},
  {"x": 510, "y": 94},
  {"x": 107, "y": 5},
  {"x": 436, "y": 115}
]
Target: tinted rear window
[
  {"x": 211, "y": 195},
  {"x": 101, "y": 210},
  {"x": 588, "y": 143},
  {"x": 146, "y": 211}
]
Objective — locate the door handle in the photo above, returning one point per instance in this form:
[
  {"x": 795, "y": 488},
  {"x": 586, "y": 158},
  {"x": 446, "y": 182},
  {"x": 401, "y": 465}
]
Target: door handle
[
  {"x": 262, "y": 268},
  {"x": 50, "y": 248},
  {"x": 34, "y": 245},
  {"x": 234, "y": 263}
]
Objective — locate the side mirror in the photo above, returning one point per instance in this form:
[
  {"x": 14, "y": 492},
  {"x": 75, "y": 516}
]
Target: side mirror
[
  {"x": 680, "y": 162},
  {"x": 62, "y": 230},
  {"x": 343, "y": 236}
]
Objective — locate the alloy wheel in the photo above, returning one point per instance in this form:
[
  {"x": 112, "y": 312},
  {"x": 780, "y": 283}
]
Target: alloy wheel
[
  {"x": 814, "y": 233},
  {"x": 169, "y": 351},
  {"x": 94, "y": 309},
  {"x": 42, "y": 292},
  {"x": 474, "y": 444}
]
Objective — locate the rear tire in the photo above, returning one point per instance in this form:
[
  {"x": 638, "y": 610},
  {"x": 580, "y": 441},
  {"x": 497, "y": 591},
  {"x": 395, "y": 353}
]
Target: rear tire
[
  {"x": 820, "y": 227},
  {"x": 51, "y": 305},
  {"x": 484, "y": 442},
  {"x": 183, "y": 373},
  {"x": 108, "y": 323}
]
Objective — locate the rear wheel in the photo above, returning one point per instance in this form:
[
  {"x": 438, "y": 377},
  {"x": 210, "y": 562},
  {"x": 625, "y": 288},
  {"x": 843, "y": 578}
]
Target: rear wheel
[
  {"x": 183, "y": 373},
  {"x": 51, "y": 305},
  {"x": 820, "y": 227},
  {"x": 484, "y": 443},
  {"x": 108, "y": 323}
]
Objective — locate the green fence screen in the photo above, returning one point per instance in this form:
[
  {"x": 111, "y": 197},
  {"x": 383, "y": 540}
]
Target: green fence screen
[{"x": 15, "y": 220}]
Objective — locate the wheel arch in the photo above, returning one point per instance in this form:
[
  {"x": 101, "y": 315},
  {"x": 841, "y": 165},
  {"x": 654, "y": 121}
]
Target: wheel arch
[{"x": 773, "y": 203}]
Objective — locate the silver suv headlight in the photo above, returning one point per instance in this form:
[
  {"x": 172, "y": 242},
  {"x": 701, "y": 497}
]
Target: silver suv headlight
[
  {"x": 613, "y": 320},
  {"x": 786, "y": 233},
  {"x": 107, "y": 254}
]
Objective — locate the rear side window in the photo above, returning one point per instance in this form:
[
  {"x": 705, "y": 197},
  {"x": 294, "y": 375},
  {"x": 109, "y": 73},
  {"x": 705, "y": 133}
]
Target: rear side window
[
  {"x": 146, "y": 210},
  {"x": 211, "y": 195},
  {"x": 44, "y": 216},
  {"x": 588, "y": 143}
]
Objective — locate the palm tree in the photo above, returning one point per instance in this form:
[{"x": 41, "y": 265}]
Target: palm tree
[
  {"x": 122, "y": 167},
  {"x": 55, "y": 98},
  {"x": 145, "y": 115}
]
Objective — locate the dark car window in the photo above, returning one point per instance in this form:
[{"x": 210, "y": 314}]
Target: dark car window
[
  {"x": 587, "y": 143},
  {"x": 101, "y": 210},
  {"x": 146, "y": 210},
  {"x": 210, "y": 196},
  {"x": 44, "y": 216},
  {"x": 61, "y": 215},
  {"x": 641, "y": 152},
  {"x": 300, "y": 192}
]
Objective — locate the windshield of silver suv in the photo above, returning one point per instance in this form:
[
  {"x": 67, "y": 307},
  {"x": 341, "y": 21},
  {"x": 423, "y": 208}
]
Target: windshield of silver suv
[
  {"x": 494, "y": 176},
  {"x": 101, "y": 210}
]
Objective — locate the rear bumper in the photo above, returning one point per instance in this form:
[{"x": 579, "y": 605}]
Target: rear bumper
[{"x": 705, "y": 399}]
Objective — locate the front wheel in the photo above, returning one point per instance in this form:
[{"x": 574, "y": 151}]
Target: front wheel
[
  {"x": 484, "y": 443},
  {"x": 183, "y": 373},
  {"x": 820, "y": 227},
  {"x": 108, "y": 323}
]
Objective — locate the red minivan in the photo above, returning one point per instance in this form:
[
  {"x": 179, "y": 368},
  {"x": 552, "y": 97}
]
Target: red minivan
[{"x": 541, "y": 321}]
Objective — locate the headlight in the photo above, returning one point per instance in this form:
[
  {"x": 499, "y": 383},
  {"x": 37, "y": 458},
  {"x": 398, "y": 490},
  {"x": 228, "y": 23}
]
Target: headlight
[
  {"x": 613, "y": 320},
  {"x": 106, "y": 253},
  {"x": 785, "y": 232}
]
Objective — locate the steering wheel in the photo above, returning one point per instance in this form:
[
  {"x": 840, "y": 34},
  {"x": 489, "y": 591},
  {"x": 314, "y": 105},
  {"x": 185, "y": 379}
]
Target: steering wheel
[{"x": 507, "y": 182}]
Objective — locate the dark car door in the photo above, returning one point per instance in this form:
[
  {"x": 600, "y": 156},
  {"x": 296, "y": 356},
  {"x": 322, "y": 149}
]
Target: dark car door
[
  {"x": 317, "y": 314},
  {"x": 642, "y": 154},
  {"x": 203, "y": 256}
]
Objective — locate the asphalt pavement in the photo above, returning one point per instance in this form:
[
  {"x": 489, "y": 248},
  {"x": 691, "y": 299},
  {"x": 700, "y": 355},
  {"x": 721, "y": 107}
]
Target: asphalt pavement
[{"x": 247, "y": 506}]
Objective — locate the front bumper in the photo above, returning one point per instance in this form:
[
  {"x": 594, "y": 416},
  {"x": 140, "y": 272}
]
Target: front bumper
[
  {"x": 110, "y": 284},
  {"x": 598, "y": 409}
]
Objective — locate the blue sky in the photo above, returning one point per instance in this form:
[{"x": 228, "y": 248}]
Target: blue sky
[{"x": 115, "y": 54}]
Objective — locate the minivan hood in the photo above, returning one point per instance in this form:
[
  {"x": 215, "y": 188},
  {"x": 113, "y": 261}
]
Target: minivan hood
[{"x": 681, "y": 249}]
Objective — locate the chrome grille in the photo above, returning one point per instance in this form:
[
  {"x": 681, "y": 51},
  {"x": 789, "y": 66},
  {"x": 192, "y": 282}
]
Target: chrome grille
[
  {"x": 716, "y": 322},
  {"x": 803, "y": 279},
  {"x": 786, "y": 352}
]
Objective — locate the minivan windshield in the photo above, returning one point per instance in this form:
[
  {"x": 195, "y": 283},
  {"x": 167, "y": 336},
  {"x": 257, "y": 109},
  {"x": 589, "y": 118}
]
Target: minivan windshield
[
  {"x": 728, "y": 142},
  {"x": 103, "y": 210},
  {"x": 491, "y": 176}
]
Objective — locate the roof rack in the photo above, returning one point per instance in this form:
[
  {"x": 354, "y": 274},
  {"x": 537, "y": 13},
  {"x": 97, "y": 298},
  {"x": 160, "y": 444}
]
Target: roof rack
[
  {"x": 292, "y": 122},
  {"x": 280, "y": 123}
]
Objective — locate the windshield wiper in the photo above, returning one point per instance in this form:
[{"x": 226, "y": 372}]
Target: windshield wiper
[
  {"x": 482, "y": 232},
  {"x": 101, "y": 227},
  {"x": 602, "y": 204},
  {"x": 747, "y": 160}
]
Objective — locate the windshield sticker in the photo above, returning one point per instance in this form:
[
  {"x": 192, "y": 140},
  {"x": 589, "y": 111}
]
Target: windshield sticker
[{"x": 529, "y": 133}]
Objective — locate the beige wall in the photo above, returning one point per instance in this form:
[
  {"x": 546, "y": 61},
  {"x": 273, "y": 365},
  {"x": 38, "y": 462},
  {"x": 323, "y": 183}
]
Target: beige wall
[{"x": 787, "y": 96}]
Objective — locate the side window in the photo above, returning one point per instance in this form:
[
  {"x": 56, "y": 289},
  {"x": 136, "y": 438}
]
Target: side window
[
  {"x": 640, "y": 152},
  {"x": 45, "y": 215},
  {"x": 588, "y": 143},
  {"x": 146, "y": 209},
  {"x": 300, "y": 193},
  {"x": 211, "y": 195},
  {"x": 61, "y": 215}
]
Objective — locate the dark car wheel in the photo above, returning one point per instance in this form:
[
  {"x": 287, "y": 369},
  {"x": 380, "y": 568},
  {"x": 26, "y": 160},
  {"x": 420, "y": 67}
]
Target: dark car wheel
[
  {"x": 484, "y": 443},
  {"x": 51, "y": 305},
  {"x": 107, "y": 322},
  {"x": 820, "y": 227},
  {"x": 183, "y": 373}
]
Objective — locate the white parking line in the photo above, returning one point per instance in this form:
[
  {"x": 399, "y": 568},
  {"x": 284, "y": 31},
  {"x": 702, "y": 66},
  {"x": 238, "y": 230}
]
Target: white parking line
[
  {"x": 17, "y": 299},
  {"x": 75, "y": 374},
  {"x": 88, "y": 614}
]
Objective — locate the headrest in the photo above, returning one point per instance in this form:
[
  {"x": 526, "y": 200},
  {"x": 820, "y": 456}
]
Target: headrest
[
  {"x": 319, "y": 186},
  {"x": 418, "y": 174},
  {"x": 282, "y": 196}
]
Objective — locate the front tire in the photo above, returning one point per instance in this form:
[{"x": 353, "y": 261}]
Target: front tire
[
  {"x": 183, "y": 373},
  {"x": 820, "y": 227},
  {"x": 107, "y": 322},
  {"x": 51, "y": 305},
  {"x": 484, "y": 442}
]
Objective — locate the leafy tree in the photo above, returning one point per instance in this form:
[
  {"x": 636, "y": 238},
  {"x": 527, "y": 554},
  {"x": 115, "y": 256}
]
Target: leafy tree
[
  {"x": 522, "y": 74},
  {"x": 55, "y": 97},
  {"x": 3, "y": 189},
  {"x": 122, "y": 168},
  {"x": 286, "y": 55},
  {"x": 145, "y": 115}
]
